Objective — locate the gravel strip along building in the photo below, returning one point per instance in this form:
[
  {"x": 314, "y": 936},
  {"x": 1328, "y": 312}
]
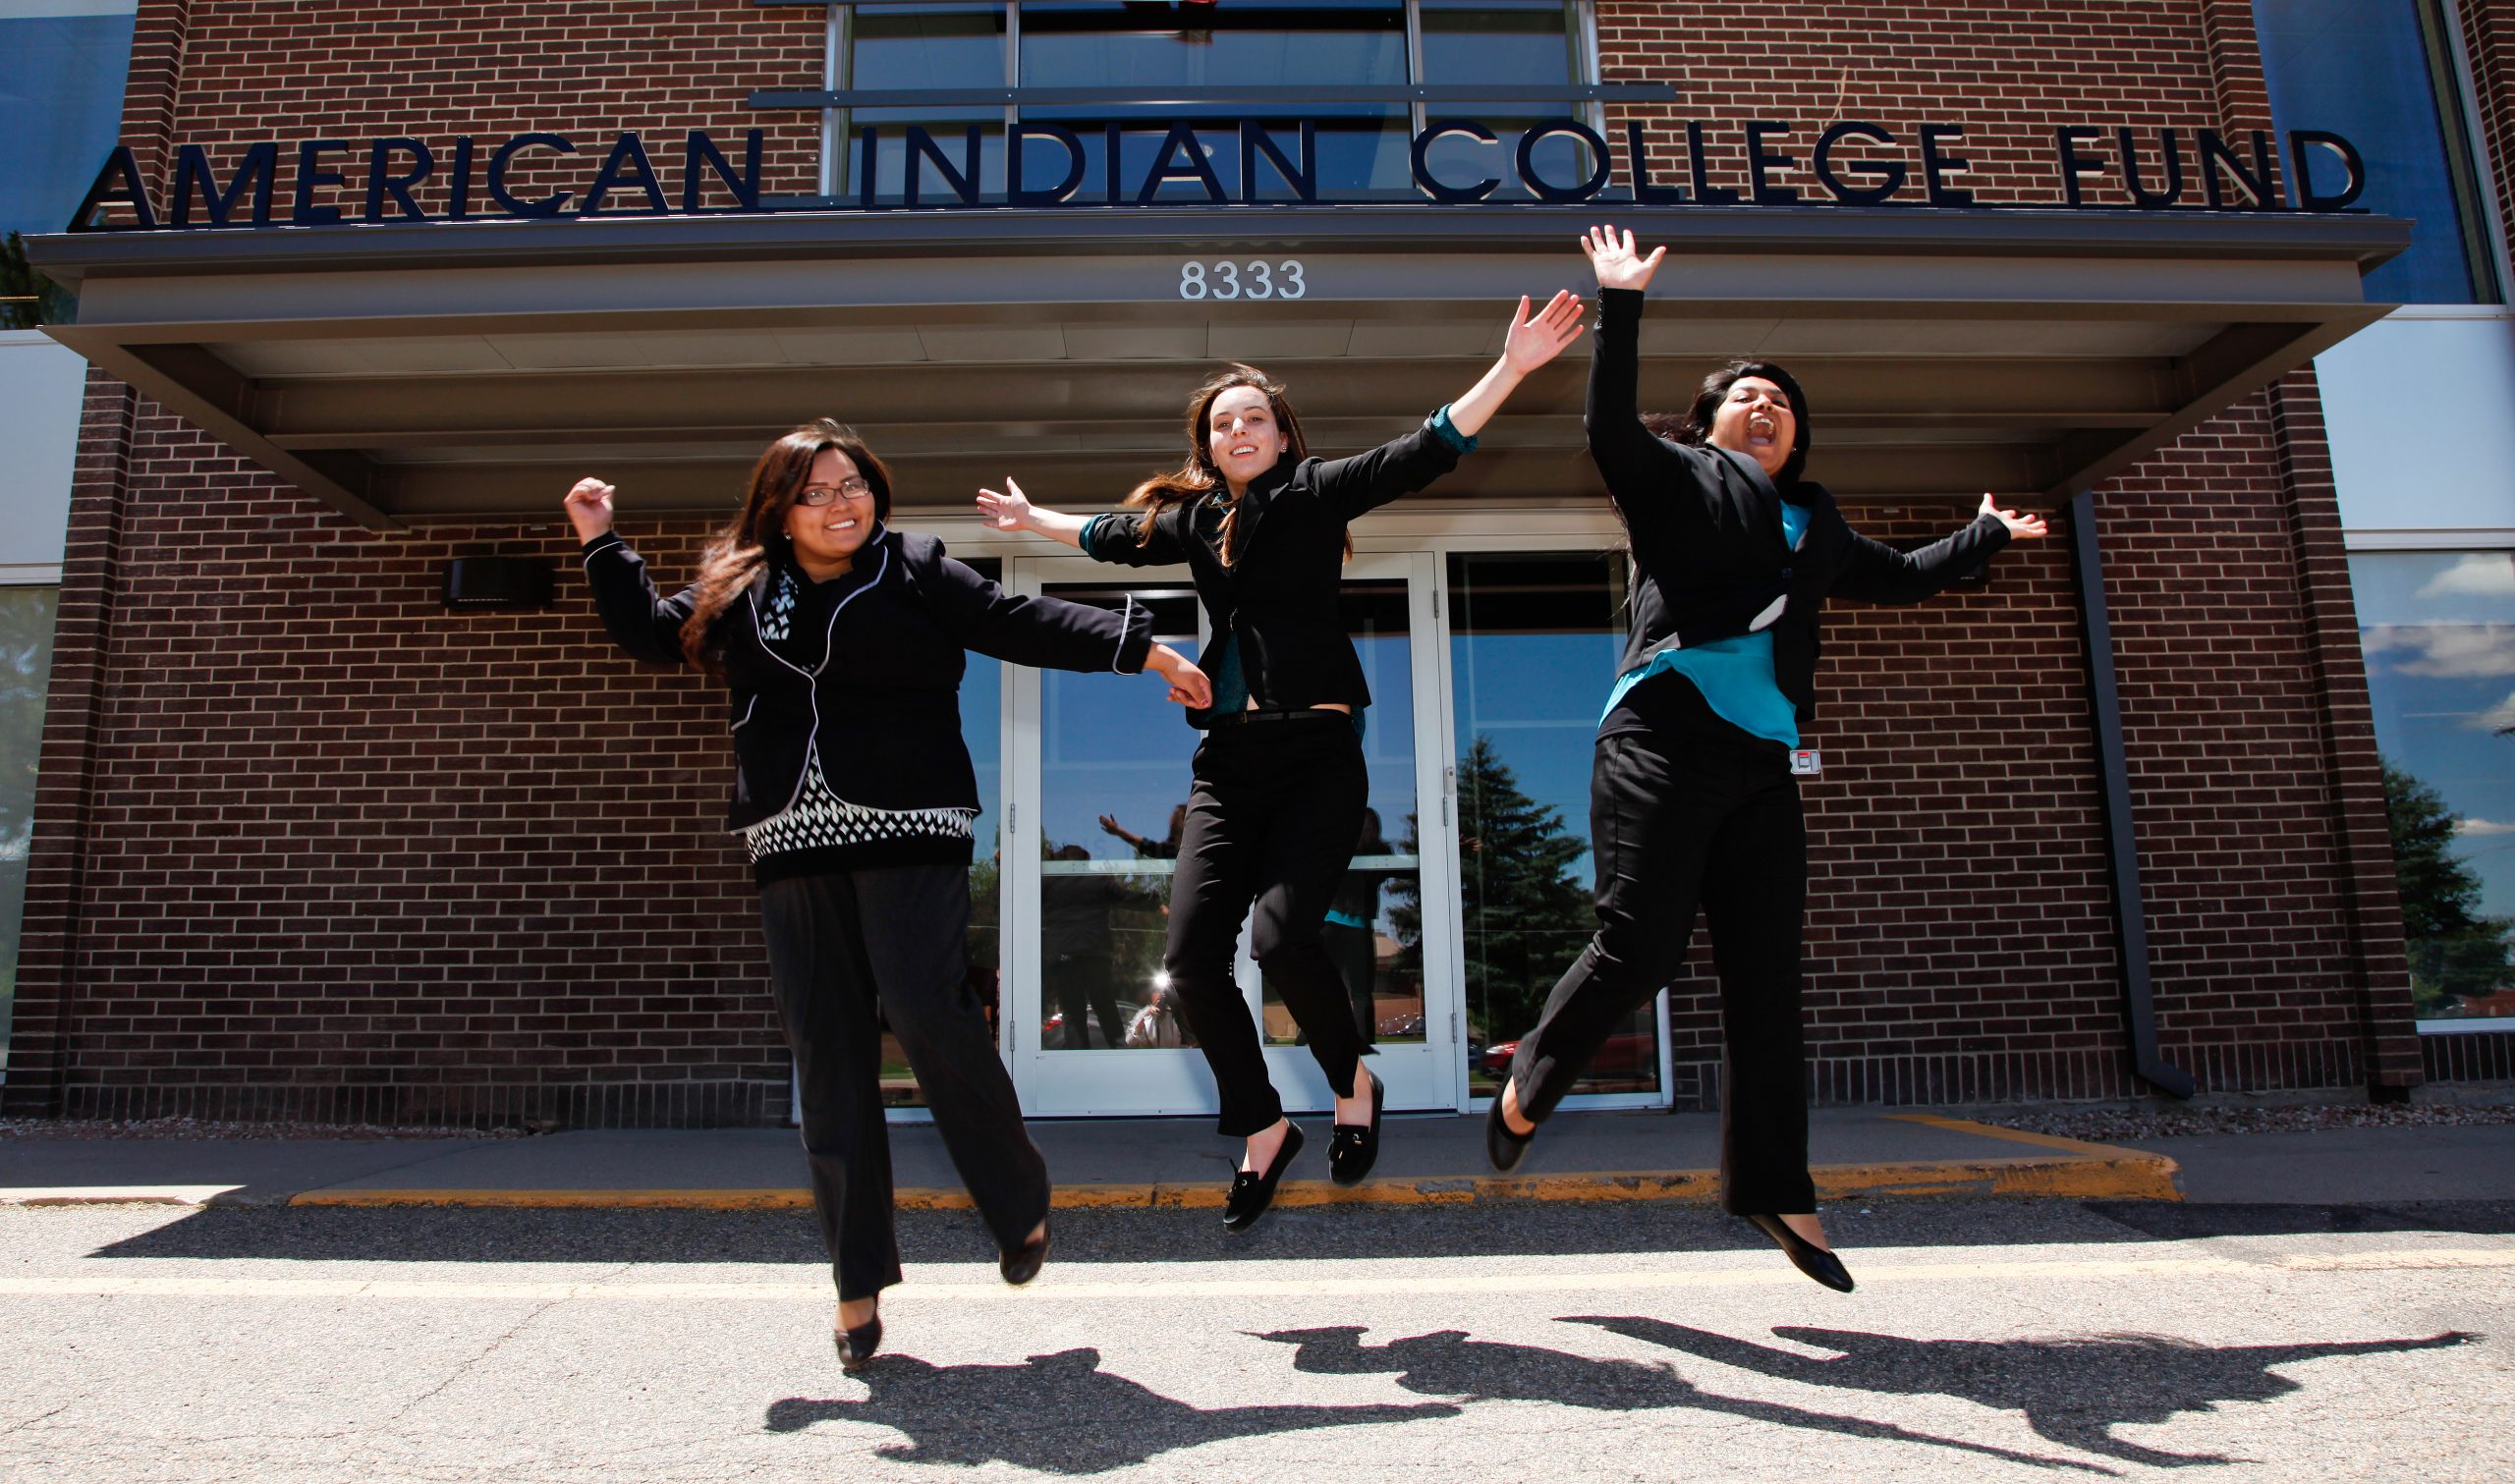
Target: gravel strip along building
[{"x": 346, "y": 810}]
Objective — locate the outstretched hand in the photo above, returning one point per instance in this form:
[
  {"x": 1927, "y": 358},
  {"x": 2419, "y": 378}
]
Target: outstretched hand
[
  {"x": 1534, "y": 341},
  {"x": 589, "y": 508},
  {"x": 1613, "y": 258},
  {"x": 2021, "y": 528},
  {"x": 1009, "y": 510}
]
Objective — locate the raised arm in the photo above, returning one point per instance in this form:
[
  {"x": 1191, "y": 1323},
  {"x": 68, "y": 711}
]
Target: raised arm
[
  {"x": 1874, "y": 572},
  {"x": 1402, "y": 466},
  {"x": 1652, "y": 481},
  {"x": 1532, "y": 342},
  {"x": 644, "y": 624}
]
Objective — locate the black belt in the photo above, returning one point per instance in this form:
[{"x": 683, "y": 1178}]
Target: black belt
[{"x": 1244, "y": 718}]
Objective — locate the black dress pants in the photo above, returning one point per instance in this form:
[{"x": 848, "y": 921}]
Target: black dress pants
[
  {"x": 847, "y": 951},
  {"x": 1272, "y": 818},
  {"x": 1704, "y": 815}
]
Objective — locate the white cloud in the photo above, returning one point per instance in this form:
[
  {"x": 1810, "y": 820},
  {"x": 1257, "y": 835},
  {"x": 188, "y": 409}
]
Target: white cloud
[
  {"x": 2482, "y": 827},
  {"x": 2480, "y": 575},
  {"x": 2456, "y": 651}
]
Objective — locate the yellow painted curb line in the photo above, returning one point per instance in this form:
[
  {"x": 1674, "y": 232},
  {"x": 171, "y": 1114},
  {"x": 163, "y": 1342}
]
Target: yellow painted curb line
[
  {"x": 2100, "y": 1172},
  {"x": 2087, "y": 1172}
]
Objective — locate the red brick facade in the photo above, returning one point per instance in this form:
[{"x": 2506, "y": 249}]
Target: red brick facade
[{"x": 306, "y": 848}]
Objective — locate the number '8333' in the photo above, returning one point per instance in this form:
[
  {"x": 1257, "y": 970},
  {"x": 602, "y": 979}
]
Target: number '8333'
[{"x": 1255, "y": 279}]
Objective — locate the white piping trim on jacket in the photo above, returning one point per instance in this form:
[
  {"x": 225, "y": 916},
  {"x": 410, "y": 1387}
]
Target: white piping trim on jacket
[
  {"x": 811, "y": 689},
  {"x": 1126, "y": 621},
  {"x": 746, "y": 711}
]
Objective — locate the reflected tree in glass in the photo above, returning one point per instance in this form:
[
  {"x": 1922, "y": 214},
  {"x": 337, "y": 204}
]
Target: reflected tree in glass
[{"x": 2457, "y": 955}]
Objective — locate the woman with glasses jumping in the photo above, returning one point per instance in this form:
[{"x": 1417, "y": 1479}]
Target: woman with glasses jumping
[
  {"x": 841, "y": 644},
  {"x": 1279, "y": 782}
]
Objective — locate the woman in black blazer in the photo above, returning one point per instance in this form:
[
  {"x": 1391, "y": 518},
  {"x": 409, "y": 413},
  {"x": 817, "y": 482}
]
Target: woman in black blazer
[
  {"x": 1691, "y": 795},
  {"x": 841, "y": 646},
  {"x": 1279, "y": 782}
]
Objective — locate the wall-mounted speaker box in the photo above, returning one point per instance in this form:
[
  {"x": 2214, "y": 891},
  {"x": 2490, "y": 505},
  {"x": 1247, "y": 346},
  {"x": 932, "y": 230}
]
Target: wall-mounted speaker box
[{"x": 476, "y": 582}]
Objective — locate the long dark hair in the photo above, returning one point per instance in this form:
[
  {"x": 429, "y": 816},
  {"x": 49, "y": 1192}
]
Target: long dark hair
[
  {"x": 739, "y": 551},
  {"x": 1695, "y": 426},
  {"x": 1197, "y": 474}
]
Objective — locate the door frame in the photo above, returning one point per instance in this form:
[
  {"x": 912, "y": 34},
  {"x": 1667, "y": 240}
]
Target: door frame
[{"x": 1053, "y": 1083}]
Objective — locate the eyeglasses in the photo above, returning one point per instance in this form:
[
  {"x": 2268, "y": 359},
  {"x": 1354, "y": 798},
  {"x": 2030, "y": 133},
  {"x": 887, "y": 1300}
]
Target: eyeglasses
[{"x": 854, "y": 487}]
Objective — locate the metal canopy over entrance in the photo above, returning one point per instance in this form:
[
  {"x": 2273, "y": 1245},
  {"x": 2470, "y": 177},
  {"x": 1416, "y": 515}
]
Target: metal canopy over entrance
[{"x": 458, "y": 371}]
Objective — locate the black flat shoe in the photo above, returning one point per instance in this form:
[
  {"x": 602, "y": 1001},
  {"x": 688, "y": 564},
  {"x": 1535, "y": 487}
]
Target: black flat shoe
[
  {"x": 1805, "y": 1255},
  {"x": 1353, "y": 1148},
  {"x": 1251, "y": 1190},
  {"x": 1021, "y": 1264},
  {"x": 856, "y": 1347},
  {"x": 1501, "y": 1146}
]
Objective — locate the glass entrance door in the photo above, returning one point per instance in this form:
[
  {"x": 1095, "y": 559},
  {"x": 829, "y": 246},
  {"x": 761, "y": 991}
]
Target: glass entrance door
[{"x": 1100, "y": 774}]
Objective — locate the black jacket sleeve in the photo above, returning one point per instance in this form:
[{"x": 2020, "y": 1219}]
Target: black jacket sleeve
[
  {"x": 1874, "y": 572},
  {"x": 1119, "y": 538},
  {"x": 1659, "y": 488},
  {"x": 1043, "y": 632},
  {"x": 640, "y": 623},
  {"x": 1368, "y": 480}
]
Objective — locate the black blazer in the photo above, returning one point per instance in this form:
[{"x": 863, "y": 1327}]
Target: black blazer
[
  {"x": 878, "y": 691},
  {"x": 1706, "y": 536},
  {"x": 1278, "y": 599}
]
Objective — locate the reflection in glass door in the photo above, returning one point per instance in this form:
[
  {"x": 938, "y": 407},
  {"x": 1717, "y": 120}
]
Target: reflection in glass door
[
  {"x": 1100, "y": 771},
  {"x": 1534, "y": 642}
]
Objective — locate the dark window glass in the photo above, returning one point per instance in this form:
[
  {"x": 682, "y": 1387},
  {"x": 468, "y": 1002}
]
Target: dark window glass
[
  {"x": 60, "y": 105},
  {"x": 1511, "y": 42},
  {"x": 923, "y": 46},
  {"x": 1532, "y": 650},
  {"x": 2379, "y": 73},
  {"x": 2438, "y": 631},
  {"x": 1179, "y": 58},
  {"x": 1157, "y": 48}
]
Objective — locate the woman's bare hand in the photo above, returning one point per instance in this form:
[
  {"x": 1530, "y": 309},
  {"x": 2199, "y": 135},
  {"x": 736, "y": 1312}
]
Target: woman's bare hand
[
  {"x": 589, "y": 508},
  {"x": 1532, "y": 341},
  {"x": 1009, "y": 510},
  {"x": 1187, "y": 683},
  {"x": 1613, "y": 258},
  {"x": 2022, "y": 527}
]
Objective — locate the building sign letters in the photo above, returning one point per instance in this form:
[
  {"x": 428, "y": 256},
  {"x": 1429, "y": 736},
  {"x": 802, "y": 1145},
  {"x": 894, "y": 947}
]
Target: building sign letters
[{"x": 1851, "y": 163}]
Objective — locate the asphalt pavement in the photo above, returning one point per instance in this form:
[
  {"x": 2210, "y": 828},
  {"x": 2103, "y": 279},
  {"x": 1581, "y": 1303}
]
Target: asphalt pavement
[
  {"x": 633, "y": 1306},
  {"x": 1567, "y": 1340}
]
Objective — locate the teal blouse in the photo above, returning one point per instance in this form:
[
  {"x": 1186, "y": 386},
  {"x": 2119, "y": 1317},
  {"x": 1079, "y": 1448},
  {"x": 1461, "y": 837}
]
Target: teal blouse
[{"x": 1734, "y": 675}]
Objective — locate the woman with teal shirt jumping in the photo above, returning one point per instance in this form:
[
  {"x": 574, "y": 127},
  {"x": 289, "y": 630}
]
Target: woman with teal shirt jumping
[{"x": 1692, "y": 801}]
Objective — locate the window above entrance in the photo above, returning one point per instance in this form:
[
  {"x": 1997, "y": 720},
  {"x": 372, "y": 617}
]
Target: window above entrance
[{"x": 1166, "y": 96}]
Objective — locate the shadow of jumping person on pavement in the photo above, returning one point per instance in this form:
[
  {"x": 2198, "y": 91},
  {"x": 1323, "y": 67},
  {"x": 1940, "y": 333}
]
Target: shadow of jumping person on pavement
[
  {"x": 1449, "y": 1364},
  {"x": 2073, "y": 1391},
  {"x": 1059, "y": 1413}
]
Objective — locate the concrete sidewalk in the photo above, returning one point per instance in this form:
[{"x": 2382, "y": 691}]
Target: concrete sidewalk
[{"x": 1106, "y": 1163}]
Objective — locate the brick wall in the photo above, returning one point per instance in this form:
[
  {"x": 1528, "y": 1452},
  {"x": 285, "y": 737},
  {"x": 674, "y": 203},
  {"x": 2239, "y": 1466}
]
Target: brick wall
[
  {"x": 350, "y": 855},
  {"x": 2009, "y": 74},
  {"x": 2488, "y": 39}
]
